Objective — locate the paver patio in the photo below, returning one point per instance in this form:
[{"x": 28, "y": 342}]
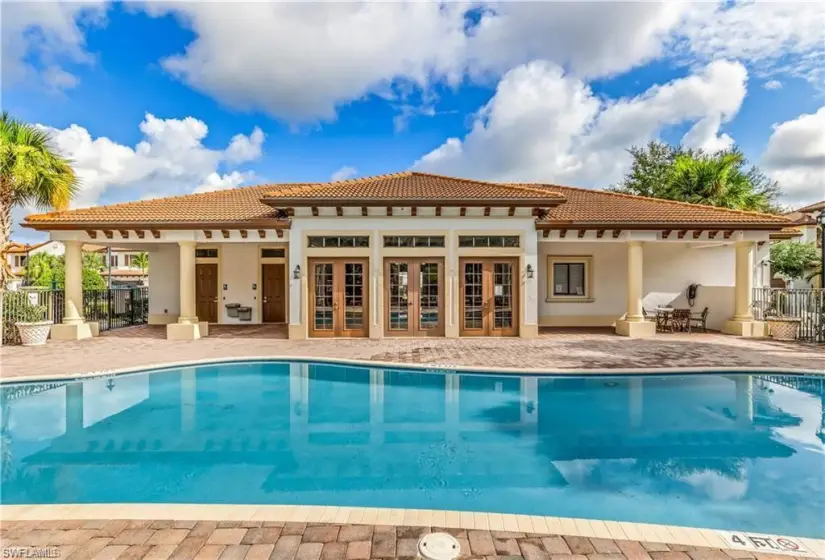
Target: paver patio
[
  {"x": 237, "y": 540},
  {"x": 570, "y": 349}
]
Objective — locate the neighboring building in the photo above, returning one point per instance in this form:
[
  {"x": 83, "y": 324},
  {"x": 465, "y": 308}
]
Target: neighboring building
[
  {"x": 805, "y": 229},
  {"x": 18, "y": 253},
  {"x": 415, "y": 254},
  {"x": 124, "y": 271}
]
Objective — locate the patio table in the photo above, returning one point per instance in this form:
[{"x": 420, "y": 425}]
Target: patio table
[{"x": 663, "y": 317}]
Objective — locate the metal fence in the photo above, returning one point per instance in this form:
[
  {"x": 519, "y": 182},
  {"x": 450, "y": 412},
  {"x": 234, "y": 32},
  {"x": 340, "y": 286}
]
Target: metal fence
[
  {"x": 806, "y": 305},
  {"x": 111, "y": 309}
]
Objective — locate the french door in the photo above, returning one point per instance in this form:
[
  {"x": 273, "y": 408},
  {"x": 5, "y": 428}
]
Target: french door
[
  {"x": 489, "y": 297},
  {"x": 414, "y": 297},
  {"x": 339, "y": 297}
]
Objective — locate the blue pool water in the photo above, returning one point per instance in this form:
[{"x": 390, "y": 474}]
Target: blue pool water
[{"x": 720, "y": 451}]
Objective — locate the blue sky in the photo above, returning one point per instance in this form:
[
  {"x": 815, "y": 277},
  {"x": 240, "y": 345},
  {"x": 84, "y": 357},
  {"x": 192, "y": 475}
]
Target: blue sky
[{"x": 152, "y": 100}]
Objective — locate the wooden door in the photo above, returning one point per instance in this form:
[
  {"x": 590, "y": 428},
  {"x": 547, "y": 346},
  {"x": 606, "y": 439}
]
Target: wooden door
[
  {"x": 273, "y": 292},
  {"x": 339, "y": 297},
  {"x": 489, "y": 297},
  {"x": 414, "y": 297},
  {"x": 206, "y": 292}
]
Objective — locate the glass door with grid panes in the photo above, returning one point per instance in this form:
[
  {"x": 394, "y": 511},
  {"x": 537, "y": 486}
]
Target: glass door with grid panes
[
  {"x": 338, "y": 297},
  {"x": 489, "y": 297},
  {"x": 414, "y": 297}
]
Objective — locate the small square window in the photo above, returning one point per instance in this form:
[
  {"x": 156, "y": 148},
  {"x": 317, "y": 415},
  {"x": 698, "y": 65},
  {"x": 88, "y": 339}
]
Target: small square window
[{"x": 568, "y": 278}]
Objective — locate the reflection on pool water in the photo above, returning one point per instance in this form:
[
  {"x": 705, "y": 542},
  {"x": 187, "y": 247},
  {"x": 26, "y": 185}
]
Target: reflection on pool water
[{"x": 720, "y": 451}]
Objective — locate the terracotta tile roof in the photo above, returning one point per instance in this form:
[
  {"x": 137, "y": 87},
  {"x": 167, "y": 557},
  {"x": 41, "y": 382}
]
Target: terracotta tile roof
[
  {"x": 800, "y": 219},
  {"x": 15, "y": 247},
  {"x": 586, "y": 206},
  {"x": 411, "y": 186},
  {"x": 812, "y": 207},
  {"x": 227, "y": 206},
  {"x": 567, "y": 205},
  {"x": 786, "y": 233}
]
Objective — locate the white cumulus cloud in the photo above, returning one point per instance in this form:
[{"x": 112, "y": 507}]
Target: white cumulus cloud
[
  {"x": 170, "y": 159},
  {"x": 795, "y": 157},
  {"x": 544, "y": 124},
  {"x": 344, "y": 173}
]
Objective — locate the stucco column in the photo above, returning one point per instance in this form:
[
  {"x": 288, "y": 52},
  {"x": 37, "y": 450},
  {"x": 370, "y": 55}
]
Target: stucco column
[
  {"x": 73, "y": 327},
  {"x": 297, "y": 286},
  {"x": 743, "y": 291},
  {"x": 451, "y": 295},
  {"x": 188, "y": 314},
  {"x": 634, "y": 324},
  {"x": 73, "y": 294},
  {"x": 187, "y": 327},
  {"x": 529, "y": 327},
  {"x": 742, "y": 323}
]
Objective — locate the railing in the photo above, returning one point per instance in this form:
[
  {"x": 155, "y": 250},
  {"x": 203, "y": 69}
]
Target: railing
[
  {"x": 111, "y": 309},
  {"x": 806, "y": 305}
]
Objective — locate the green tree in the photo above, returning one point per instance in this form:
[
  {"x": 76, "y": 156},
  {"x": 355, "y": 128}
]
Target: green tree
[
  {"x": 792, "y": 259},
  {"x": 721, "y": 179},
  {"x": 40, "y": 269},
  {"x": 31, "y": 173},
  {"x": 141, "y": 261},
  {"x": 47, "y": 271}
]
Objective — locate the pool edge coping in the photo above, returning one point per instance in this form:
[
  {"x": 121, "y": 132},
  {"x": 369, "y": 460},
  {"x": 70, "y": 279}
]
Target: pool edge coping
[
  {"x": 534, "y": 524},
  {"x": 432, "y": 368}
]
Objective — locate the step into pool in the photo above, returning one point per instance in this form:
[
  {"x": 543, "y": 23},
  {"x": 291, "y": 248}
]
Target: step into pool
[{"x": 725, "y": 451}]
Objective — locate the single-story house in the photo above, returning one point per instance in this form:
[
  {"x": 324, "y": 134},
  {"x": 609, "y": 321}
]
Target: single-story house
[
  {"x": 416, "y": 254},
  {"x": 805, "y": 229}
]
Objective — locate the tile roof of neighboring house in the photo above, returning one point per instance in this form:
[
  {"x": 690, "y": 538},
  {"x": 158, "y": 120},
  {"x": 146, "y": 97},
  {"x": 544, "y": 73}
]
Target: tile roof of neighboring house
[
  {"x": 231, "y": 206},
  {"x": 121, "y": 272},
  {"x": 244, "y": 206},
  {"x": 411, "y": 186},
  {"x": 586, "y": 206},
  {"x": 800, "y": 219},
  {"x": 15, "y": 247},
  {"x": 812, "y": 207},
  {"x": 786, "y": 233}
]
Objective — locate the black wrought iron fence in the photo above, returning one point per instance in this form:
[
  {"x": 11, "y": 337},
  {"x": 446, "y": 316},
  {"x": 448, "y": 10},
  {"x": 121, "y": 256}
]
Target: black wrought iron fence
[
  {"x": 112, "y": 309},
  {"x": 806, "y": 305}
]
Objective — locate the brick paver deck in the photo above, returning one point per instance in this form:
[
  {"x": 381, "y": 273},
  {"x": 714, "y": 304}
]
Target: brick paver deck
[
  {"x": 237, "y": 540},
  {"x": 555, "y": 348}
]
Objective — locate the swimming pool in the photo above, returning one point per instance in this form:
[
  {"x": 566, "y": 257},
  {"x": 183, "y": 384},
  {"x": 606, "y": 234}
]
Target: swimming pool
[{"x": 718, "y": 451}]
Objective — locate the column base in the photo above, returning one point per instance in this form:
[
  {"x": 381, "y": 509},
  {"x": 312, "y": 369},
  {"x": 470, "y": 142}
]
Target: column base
[
  {"x": 748, "y": 328},
  {"x": 94, "y": 327},
  {"x": 636, "y": 329},
  {"x": 162, "y": 319},
  {"x": 528, "y": 331},
  {"x": 297, "y": 332},
  {"x": 75, "y": 331},
  {"x": 186, "y": 331}
]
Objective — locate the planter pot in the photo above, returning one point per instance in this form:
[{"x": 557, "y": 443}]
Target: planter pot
[
  {"x": 783, "y": 328},
  {"x": 34, "y": 334}
]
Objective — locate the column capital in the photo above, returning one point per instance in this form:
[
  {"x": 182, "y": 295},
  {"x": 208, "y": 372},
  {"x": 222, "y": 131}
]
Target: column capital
[
  {"x": 187, "y": 243},
  {"x": 73, "y": 243},
  {"x": 635, "y": 243}
]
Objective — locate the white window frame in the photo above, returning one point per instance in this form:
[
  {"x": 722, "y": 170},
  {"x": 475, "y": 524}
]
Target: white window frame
[{"x": 587, "y": 261}]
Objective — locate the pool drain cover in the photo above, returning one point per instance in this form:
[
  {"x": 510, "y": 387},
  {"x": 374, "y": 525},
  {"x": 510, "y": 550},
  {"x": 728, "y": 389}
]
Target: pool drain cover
[{"x": 438, "y": 546}]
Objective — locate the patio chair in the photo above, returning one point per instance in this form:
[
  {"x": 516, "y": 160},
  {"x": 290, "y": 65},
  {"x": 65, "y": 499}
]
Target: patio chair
[
  {"x": 700, "y": 319},
  {"x": 680, "y": 319}
]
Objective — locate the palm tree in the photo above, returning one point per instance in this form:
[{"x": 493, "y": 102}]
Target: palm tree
[
  {"x": 716, "y": 180},
  {"x": 141, "y": 260},
  {"x": 31, "y": 172}
]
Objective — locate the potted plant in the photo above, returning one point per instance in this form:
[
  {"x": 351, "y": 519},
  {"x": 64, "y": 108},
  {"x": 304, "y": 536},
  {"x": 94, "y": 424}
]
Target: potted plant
[
  {"x": 782, "y": 326},
  {"x": 32, "y": 324}
]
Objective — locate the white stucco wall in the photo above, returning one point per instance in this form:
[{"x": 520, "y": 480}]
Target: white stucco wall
[
  {"x": 164, "y": 284},
  {"x": 238, "y": 272},
  {"x": 669, "y": 268}
]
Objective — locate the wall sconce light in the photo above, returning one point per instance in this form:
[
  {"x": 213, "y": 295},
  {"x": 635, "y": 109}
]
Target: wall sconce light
[
  {"x": 296, "y": 274},
  {"x": 529, "y": 271}
]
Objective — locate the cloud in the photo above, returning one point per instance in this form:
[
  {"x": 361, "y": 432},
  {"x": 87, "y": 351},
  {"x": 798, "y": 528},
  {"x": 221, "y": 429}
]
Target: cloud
[
  {"x": 245, "y": 148},
  {"x": 543, "y": 124},
  {"x": 300, "y": 61},
  {"x": 344, "y": 173},
  {"x": 772, "y": 37},
  {"x": 38, "y": 38},
  {"x": 772, "y": 84},
  {"x": 795, "y": 157},
  {"x": 170, "y": 159}
]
